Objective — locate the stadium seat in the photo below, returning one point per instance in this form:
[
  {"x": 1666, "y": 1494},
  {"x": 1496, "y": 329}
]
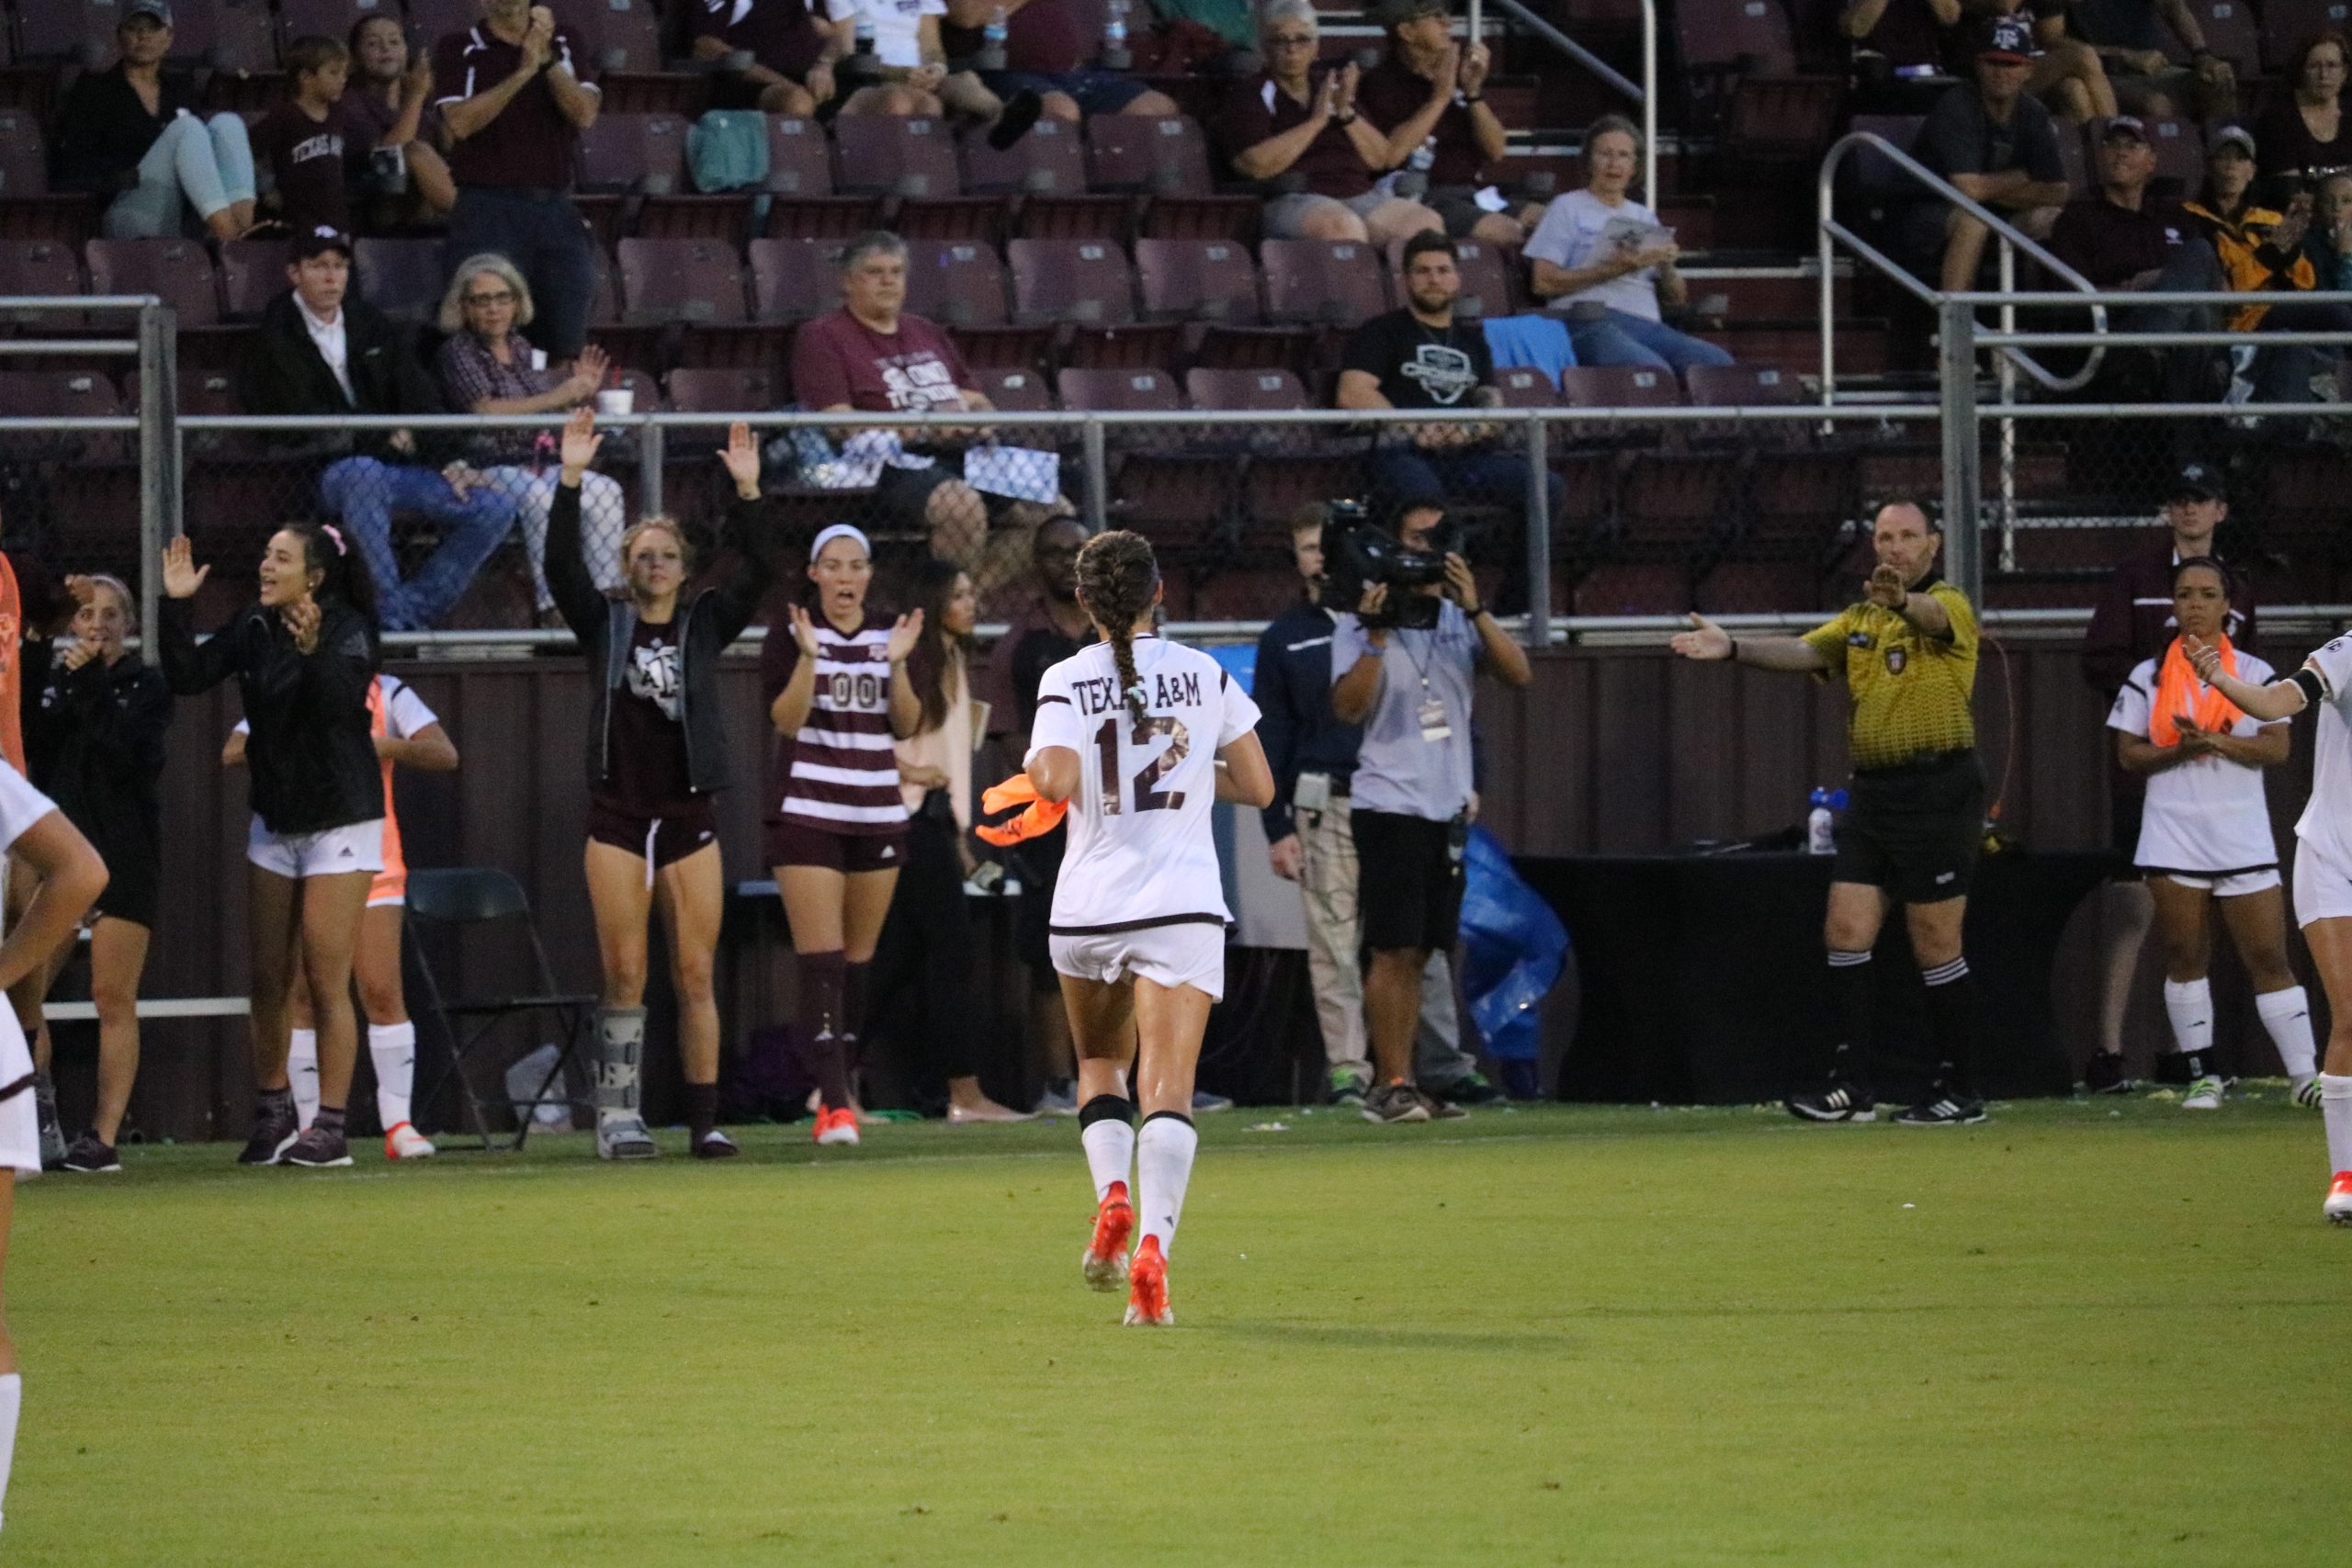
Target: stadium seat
[
  {"x": 2076, "y": 159},
  {"x": 1233, "y": 218},
  {"x": 889, "y": 155},
  {"x": 798, "y": 160},
  {"x": 62, "y": 394},
  {"x": 2232, "y": 32},
  {"x": 1329, "y": 282},
  {"x": 794, "y": 279},
  {"x": 76, "y": 32},
  {"x": 721, "y": 391},
  {"x": 1118, "y": 391},
  {"x": 1014, "y": 389},
  {"x": 680, "y": 280},
  {"x": 400, "y": 278},
  {"x": 430, "y": 21},
  {"x": 1877, "y": 177},
  {"x": 1749, "y": 36},
  {"x": 1049, "y": 160},
  {"x": 1747, "y": 386},
  {"x": 1525, "y": 387},
  {"x": 2287, "y": 24},
  {"x": 645, "y": 153},
  {"x": 1082, "y": 282},
  {"x": 31, "y": 269},
  {"x": 1197, "y": 280},
  {"x": 330, "y": 19},
  {"x": 1249, "y": 390},
  {"x": 177, "y": 270},
  {"x": 1618, "y": 387},
  {"x": 955, "y": 282},
  {"x": 2180, "y": 147},
  {"x": 618, "y": 35},
  {"x": 1154, "y": 157},
  {"x": 229, "y": 36}
]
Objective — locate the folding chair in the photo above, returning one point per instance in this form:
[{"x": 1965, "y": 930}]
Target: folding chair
[{"x": 462, "y": 901}]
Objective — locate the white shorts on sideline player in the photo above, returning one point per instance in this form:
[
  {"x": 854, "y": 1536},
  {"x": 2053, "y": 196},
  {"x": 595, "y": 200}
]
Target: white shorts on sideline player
[
  {"x": 329, "y": 852},
  {"x": 1192, "y": 954},
  {"x": 2228, "y": 885},
  {"x": 2322, "y": 887},
  {"x": 20, "y": 1118}
]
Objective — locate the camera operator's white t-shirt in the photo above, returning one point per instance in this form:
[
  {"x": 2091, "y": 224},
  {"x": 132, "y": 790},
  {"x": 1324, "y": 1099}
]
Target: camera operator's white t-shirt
[{"x": 1397, "y": 770}]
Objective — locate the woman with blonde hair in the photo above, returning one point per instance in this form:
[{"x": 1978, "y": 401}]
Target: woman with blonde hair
[
  {"x": 487, "y": 365},
  {"x": 657, "y": 755}
]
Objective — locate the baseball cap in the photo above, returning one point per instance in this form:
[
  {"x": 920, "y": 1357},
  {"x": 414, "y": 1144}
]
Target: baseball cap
[
  {"x": 2198, "y": 481},
  {"x": 318, "y": 242},
  {"x": 2007, "y": 39},
  {"x": 2129, "y": 125},
  {"x": 160, "y": 10},
  {"x": 2236, "y": 135},
  {"x": 1396, "y": 12}
]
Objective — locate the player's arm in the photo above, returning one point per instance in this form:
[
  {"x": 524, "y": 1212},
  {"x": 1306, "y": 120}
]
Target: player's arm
[
  {"x": 1055, "y": 736},
  {"x": 1498, "y": 655},
  {"x": 1357, "y": 691},
  {"x": 1705, "y": 640},
  {"x": 2280, "y": 699},
  {"x": 2266, "y": 747},
  {"x": 69, "y": 877},
  {"x": 2138, "y": 754},
  {"x": 430, "y": 750},
  {"x": 1054, "y": 771},
  {"x": 1243, "y": 775},
  {"x": 232, "y": 754}
]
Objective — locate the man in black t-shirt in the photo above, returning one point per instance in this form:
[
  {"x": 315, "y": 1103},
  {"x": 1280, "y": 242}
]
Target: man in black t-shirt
[
  {"x": 1999, "y": 146},
  {"x": 1424, "y": 357}
]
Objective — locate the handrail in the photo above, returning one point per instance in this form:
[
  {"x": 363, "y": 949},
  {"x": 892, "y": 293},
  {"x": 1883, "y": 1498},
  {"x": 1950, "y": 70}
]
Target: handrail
[
  {"x": 1828, "y": 230},
  {"x": 1645, "y": 93}
]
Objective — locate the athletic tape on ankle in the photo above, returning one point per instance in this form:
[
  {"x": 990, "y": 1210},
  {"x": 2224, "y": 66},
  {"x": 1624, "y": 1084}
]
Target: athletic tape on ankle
[
  {"x": 1168, "y": 1116},
  {"x": 1106, "y": 1107}
]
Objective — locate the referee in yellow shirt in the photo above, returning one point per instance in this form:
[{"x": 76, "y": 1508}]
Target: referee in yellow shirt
[{"x": 1907, "y": 652}]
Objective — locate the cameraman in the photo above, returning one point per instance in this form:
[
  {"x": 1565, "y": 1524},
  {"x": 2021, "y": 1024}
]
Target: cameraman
[{"x": 1404, "y": 671}]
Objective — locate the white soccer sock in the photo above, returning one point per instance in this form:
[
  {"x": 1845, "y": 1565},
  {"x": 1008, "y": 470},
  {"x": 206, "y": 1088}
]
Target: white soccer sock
[
  {"x": 1163, "y": 1167},
  {"x": 392, "y": 1047},
  {"x": 302, "y": 1073},
  {"x": 12, "y": 1400},
  {"x": 1110, "y": 1144},
  {"x": 2190, "y": 1005},
  {"x": 2335, "y": 1109},
  {"x": 2288, "y": 1016}
]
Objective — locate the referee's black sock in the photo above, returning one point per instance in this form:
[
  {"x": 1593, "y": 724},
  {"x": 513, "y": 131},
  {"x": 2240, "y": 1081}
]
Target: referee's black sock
[
  {"x": 1849, "y": 987},
  {"x": 1956, "y": 1015}
]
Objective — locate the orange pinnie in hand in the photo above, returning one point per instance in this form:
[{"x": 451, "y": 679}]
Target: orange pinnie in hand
[{"x": 1043, "y": 816}]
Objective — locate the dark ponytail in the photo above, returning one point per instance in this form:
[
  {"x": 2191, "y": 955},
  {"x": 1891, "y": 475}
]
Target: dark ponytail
[
  {"x": 1116, "y": 577},
  {"x": 329, "y": 549}
]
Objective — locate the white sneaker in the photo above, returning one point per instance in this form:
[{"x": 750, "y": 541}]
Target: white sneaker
[
  {"x": 2205, "y": 1094},
  {"x": 2338, "y": 1207},
  {"x": 2305, "y": 1090},
  {"x": 405, "y": 1142},
  {"x": 624, "y": 1138}
]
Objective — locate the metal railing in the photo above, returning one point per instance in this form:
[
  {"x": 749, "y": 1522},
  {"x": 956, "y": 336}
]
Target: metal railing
[{"x": 1643, "y": 92}]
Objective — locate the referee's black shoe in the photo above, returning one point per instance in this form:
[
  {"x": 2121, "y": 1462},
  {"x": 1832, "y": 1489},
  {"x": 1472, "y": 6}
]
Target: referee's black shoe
[
  {"x": 1838, "y": 1102},
  {"x": 1945, "y": 1111},
  {"x": 2104, "y": 1074}
]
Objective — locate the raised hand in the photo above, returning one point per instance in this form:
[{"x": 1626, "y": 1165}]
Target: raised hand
[
  {"x": 182, "y": 576},
  {"x": 2205, "y": 658},
  {"x": 76, "y": 654},
  {"x": 1704, "y": 640},
  {"x": 1477, "y": 61},
  {"x": 903, "y": 633},
  {"x": 1460, "y": 585},
  {"x": 301, "y": 619},
  {"x": 580, "y": 442},
  {"x": 804, "y": 633},
  {"x": 1447, "y": 72},
  {"x": 588, "y": 372},
  {"x": 741, "y": 456},
  {"x": 1376, "y": 596},
  {"x": 83, "y": 589},
  {"x": 1886, "y": 590},
  {"x": 1349, "y": 74}
]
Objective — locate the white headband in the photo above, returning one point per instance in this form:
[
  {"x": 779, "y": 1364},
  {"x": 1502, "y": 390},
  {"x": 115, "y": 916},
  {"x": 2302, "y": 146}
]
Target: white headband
[{"x": 839, "y": 530}]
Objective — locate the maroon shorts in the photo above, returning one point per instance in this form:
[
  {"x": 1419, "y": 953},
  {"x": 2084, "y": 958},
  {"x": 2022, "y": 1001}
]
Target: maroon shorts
[
  {"x": 662, "y": 839},
  {"x": 797, "y": 844}
]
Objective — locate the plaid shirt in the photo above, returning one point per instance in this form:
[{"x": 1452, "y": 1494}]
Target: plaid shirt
[{"x": 470, "y": 375}]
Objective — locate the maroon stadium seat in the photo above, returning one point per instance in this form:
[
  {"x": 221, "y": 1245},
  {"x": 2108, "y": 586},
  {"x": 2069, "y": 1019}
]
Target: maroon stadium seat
[
  {"x": 721, "y": 391},
  {"x": 894, "y": 156},
  {"x": 2180, "y": 152},
  {"x": 1197, "y": 280},
  {"x": 1250, "y": 391},
  {"x": 1049, "y": 160},
  {"x": 2232, "y": 32},
  {"x": 1084, "y": 282},
  {"x": 1751, "y": 35},
  {"x": 794, "y": 279},
  {"x": 955, "y": 282},
  {"x": 1014, "y": 389},
  {"x": 680, "y": 281},
  {"x": 332, "y": 18},
  {"x": 1157, "y": 157},
  {"x": 2287, "y": 24},
  {"x": 1333, "y": 282},
  {"x": 1619, "y": 387},
  {"x": 800, "y": 185},
  {"x": 400, "y": 278},
  {"x": 1118, "y": 391},
  {"x": 1526, "y": 386},
  {"x": 62, "y": 394},
  {"x": 618, "y": 35},
  {"x": 1742, "y": 386},
  {"x": 31, "y": 268},
  {"x": 1233, "y": 218},
  {"x": 79, "y": 32},
  {"x": 430, "y": 21},
  {"x": 645, "y": 153},
  {"x": 177, "y": 270}
]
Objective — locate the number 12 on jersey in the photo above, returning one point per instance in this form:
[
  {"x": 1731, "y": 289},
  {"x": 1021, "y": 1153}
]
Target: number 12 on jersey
[{"x": 1106, "y": 745}]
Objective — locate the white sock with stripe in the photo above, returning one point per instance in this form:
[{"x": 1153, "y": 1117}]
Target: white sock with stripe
[
  {"x": 1106, "y": 1130},
  {"x": 2288, "y": 1016},
  {"x": 1164, "y": 1167},
  {"x": 302, "y": 1073},
  {"x": 2190, "y": 1005},
  {"x": 2335, "y": 1109},
  {"x": 392, "y": 1047}
]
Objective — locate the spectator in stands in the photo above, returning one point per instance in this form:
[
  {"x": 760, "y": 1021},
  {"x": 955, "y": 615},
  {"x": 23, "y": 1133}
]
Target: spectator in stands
[
  {"x": 301, "y": 139},
  {"x": 1429, "y": 94},
  {"x": 2124, "y": 237},
  {"x": 1998, "y": 147},
  {"x": 2272, "y": 255},
  {"x": 514, "y": 103},
  {"x": 1295, "y": 130},
  {"x": 910, "y": 65},
  {"x": 487, "y": 365},
  {"x": 390, "y": 130},
  {"x": 772, "y": 55},
  {"x": 1602, "y": 258},
  {"x": 1044, "y": 45},
  {"x": 2310, "y": 248},
  {"x": 321, "y": 354},
  {"x": 2062, "y": 73},
  {"x": 1424, "y": 357},
  {"x": 132, "y": 132},
  {"x": 1898, "y": 50},
  {"x": 2131, "y": 41},
  {"x": 2303, "y": 135}
]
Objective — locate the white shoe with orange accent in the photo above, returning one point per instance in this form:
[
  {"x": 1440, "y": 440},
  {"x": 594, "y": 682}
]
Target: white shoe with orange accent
[
  {"x": 837, "y": 1127},
  {"x": 405, "y": 1142},
  {"x": 2338, "y": 1207},
  {"x": 1148, "y": 1287},
  {"x": 1106, "y": 1262}
]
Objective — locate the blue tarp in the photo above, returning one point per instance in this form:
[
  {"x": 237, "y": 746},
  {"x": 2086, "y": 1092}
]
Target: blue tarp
[{"x": 1513, "y": 949}]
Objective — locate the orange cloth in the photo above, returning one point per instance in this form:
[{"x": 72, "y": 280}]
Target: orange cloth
[
  {"x": 1042, "y": 817},
  {"x": 2180, "y": 692},
  {"x": 12, "y": 676},
  {"x": 390, "y": 885}
]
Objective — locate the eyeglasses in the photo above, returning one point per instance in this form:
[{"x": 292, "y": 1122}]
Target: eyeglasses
[
  {"x": 504, "y": 297},
  {"x": 1292, "y": 41}
]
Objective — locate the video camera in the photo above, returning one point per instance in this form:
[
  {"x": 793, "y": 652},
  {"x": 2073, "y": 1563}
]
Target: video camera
[{"x": 1358, "y": 553}]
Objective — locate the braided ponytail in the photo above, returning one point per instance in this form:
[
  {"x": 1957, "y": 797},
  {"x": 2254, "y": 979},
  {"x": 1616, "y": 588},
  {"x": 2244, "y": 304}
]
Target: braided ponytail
[{"x": 1116, "y": 577}]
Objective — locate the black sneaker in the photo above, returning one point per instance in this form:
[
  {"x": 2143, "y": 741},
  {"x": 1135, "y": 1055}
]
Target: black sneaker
[
  {"x": 1945, "y": 1111},
  {"x": 716, "y": 1144},
  {"x": 1440, "y": 1108},
  {"x": 274, "y": 1130},
  {"x": 1473, "y": 1088},
  {"x": 90, "y": 1155},
  {"x": 1392, "y": 1103},
  {"x": 1838, "y": 1102},
  {"x": 2104, "y": 1074},
  {"x": 319, "y": 1147}
]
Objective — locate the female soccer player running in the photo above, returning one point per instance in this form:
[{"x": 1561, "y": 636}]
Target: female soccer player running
[
  {"x": 2205, "y": 834},
  {"x": 304, "y": 657},
  {"x": 2323, "y": 864},
  {"x": 657, "y": 753},
  {"x": 1125, "y": 732},
  {"x": 71, "y": 878}
]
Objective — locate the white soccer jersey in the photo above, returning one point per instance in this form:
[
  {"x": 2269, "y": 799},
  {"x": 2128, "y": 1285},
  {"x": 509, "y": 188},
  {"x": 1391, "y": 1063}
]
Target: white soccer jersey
[
  {"x": 21, "y": 806},
  {"x": 1140, "y": 852},
  {"x": 2207, "y": 816},
  {"x": 2327, "y": 823}
]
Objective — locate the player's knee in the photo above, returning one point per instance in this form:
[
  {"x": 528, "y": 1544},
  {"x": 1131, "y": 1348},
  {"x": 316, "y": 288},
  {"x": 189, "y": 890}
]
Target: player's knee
[
  {"x": 116, "y": 1000},
  {"x": 382, "y": 1002},
  {"x": 692, "y": 975},
  {"x": 1059, "y": 106}
]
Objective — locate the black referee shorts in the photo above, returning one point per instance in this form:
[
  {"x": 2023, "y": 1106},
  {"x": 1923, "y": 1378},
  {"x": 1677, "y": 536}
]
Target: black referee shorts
[
  {"x": 1408, "y": 880},
  {"x": 1915, "y": 832}
]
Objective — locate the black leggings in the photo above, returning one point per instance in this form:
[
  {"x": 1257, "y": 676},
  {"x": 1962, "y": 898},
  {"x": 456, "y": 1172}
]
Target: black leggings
[{"x": 925, "y": 955}]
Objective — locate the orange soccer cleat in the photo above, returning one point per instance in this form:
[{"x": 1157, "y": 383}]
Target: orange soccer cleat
[
  {"x": 404, "y": 1142},
  {"x": 1148, "y": 1287},
  {"x": 837, "y": 1125},
  {"x": 1106, "y": 1262},
  {"x": 2338, "y": 1207}
]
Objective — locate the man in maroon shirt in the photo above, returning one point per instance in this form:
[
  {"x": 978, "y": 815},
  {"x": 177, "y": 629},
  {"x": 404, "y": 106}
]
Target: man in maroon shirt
[
  {"x": 1044, "y": 48},
  {"x": 2125, "y": 237},
  {"x": 772, "y": 55},
  {"x": 514, "y": 103},
  {"x": 1428, "y": 97}
]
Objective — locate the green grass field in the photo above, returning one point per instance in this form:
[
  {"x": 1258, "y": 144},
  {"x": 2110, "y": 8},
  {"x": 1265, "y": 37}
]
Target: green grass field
[{"x": 2084, "y": 1334}]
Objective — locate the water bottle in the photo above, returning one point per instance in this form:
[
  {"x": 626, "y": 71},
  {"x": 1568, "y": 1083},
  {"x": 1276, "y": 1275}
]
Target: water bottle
[
  {"x": 1821, "y": 824},
  {"x": 1115, "y": 37},
  {"x": 992, "y": 37}
]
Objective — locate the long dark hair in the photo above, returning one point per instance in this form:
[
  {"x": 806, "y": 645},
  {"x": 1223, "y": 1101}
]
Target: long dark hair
[
  {"x": 1116, "y": 575},
  {"x": 329, "y": 549},
  {"x": 934, "y": 585}
]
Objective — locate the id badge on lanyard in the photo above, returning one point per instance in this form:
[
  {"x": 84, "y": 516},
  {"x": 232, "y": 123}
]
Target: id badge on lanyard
[{"x": 1434, "y": 727}]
